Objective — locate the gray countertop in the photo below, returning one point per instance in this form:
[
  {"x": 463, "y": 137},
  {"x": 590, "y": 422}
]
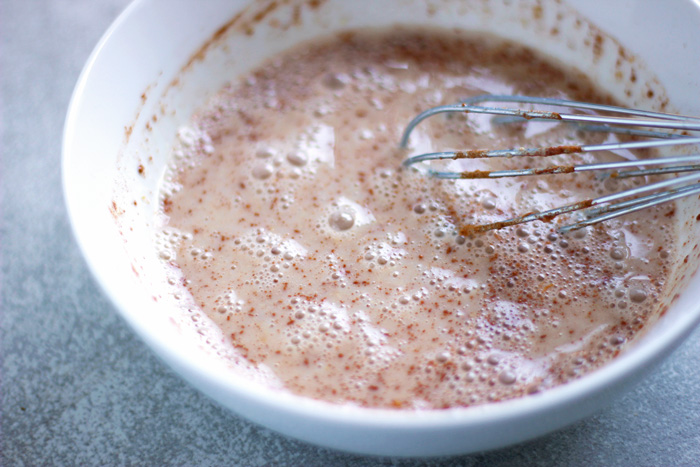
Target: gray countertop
[{"x": 78, "y": 388}]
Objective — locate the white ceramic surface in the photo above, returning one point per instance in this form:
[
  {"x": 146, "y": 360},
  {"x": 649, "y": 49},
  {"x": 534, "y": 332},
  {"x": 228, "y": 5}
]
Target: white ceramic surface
[{"x": 111, "y": 131}]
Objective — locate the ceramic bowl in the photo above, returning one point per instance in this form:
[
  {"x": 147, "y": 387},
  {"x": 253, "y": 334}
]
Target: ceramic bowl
[{"x": 161, "y": 60}]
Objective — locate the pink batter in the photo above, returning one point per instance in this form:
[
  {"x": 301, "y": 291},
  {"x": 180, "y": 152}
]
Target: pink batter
[{"x": 344, "y": 275}]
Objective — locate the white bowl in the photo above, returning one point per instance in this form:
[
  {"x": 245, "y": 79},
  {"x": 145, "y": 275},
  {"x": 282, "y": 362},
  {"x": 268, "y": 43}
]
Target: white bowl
[{"x": 161, "y": 60}]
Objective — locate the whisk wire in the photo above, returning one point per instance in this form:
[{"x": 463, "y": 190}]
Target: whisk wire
[{"x": 625, "y": 125}]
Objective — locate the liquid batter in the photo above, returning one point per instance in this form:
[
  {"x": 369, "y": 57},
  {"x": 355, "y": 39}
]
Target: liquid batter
[{"x": 344, "y": 276}]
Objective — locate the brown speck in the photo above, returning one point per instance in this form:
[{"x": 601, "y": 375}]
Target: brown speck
[
  {"x": 260, "y": 15},
  {"x": 598, "y": 46},
  {"x": 557, "y": 169},
  {"x": 537, "y": 12},
  {"x": 472, "y": 154},
  {"x": 556, "y": 150},
  {"x": 472, "y": 174}
]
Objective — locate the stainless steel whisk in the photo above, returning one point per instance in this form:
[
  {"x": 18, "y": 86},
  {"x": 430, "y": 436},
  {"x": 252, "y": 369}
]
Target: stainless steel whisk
[{"x": 623, "y": 121}]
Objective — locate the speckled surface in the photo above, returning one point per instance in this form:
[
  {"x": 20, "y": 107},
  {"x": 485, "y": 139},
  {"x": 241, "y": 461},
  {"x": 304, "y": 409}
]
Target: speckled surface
[{"x": 78, "y": 388}]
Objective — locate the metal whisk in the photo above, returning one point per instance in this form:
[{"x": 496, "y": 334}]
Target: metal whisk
[{"x": 668, "y": 130}]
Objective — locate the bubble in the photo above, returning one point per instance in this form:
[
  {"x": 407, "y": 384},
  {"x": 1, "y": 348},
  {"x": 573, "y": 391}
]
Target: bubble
[
  {"x": 523, "y": 247},
  {"x": 419, "y": 208},
  {"x": 618, "y": 253},
  {"x": 334, "y": 81},
  {"x": 638, "y": 295},
  {"x": 264, "y": 153},
  {"x": 507, "y": 377},
  {"x": 443, "y": 357},
  {"x": 321, "y": 111},
  {"x": 522, "y": 232},
  {"x": 297, "y": 158},
  {"x": 262, "y": 171},
  {"x": 489, "y": 203},
  {"x": 617, "y": 340},
  {"x": 366, "y": 134},
  {"x": 342, "y": 220}
]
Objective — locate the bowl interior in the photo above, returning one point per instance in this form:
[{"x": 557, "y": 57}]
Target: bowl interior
[{"x": 161, "y": 61}]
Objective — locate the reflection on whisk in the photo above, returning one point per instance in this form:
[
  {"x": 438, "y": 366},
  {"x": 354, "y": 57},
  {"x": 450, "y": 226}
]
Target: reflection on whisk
[{"x": 665, "y": 133}]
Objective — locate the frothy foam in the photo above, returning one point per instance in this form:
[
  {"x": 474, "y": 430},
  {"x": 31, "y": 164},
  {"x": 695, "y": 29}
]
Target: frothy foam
[{"x": 328, "y": 266}]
